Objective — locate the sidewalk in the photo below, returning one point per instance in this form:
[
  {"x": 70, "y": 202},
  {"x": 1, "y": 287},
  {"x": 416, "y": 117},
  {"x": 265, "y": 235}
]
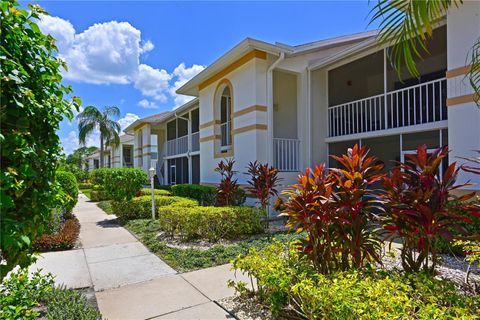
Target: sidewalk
[{"x": 129, "y": 281}]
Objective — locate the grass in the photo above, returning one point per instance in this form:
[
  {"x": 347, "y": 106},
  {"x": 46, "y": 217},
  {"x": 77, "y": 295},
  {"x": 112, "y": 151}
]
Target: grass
[
  {"x": 106, "y": 206},
  {"x": 86, "y": 192},
  {"x": 190, "y": 259}
]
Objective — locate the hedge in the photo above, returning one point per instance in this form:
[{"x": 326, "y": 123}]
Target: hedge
[
  {"x": 211, "y": 223},
  {"x": 124, "y": 183},
  {"x": 63, "y": 240},
  {"x": 68, "y": 184},
  {"x": 141, "y": 207},
  {"x": 98, "y": 195},
  {"x": 85, "y": 185},
  {"x": 205, "y": 195},
  {"x": 157, "y": 192},
  {"x": 97, "y": 176}
]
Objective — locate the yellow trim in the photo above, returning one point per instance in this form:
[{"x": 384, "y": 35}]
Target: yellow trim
[
  {"x": 209, "y": 124},
  {"x": 147, "y": 146},
  {"x": 250, "y": 109},
  {"x": 458, "y": 71},
  {"x": 216, "y": 105},
  {"x": 210, "y": 138},
  {"x": 234, "y": 65},
  {"x": 229, "y": 153},
  {"x": 460, "y": 100},
  {"x": 250, "y": 128}
]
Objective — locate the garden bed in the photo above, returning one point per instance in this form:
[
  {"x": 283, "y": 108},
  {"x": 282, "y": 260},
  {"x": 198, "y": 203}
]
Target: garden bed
[{"x": 65, "y": 238}]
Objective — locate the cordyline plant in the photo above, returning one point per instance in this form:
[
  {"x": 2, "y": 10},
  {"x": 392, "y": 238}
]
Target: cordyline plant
[
  {"x": 263, "y": 182},
  {"x": 419, "y": 207},
  {"x": 335, "y": 209},
  {"x": 228, "y": 188}
]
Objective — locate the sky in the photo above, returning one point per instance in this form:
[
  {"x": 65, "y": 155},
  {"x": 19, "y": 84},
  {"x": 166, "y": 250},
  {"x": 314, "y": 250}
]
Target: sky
[{"x": 134, "y": 55}]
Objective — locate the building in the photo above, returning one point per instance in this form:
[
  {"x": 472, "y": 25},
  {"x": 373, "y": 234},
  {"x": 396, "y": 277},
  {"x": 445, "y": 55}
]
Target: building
[{"x": 292, "y": 106}]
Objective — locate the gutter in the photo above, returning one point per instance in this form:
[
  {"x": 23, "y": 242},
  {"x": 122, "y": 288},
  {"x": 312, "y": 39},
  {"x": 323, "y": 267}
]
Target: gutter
[{"x": 270, "y": 106}]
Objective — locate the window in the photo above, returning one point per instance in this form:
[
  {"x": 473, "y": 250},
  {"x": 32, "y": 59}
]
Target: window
[{"x": 225, "y": 119}]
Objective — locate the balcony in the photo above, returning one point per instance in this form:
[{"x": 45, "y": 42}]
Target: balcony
[
  {"x": 196, "y": 141},
  {"x": 177, "y": 146},
  {"x": 286, "y": 154},
  {"x": 415, "y": 105}
]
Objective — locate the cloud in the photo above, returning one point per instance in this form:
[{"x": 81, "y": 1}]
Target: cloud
[
  {"x": 182, "y": 74},
  {"x": 152, "y": 82},
  {"x": 60, "y": 29},
  {"x": 147, "y": 46},
  {"x": 144, "y": 103},
  {"x": 128, "y": 120},
  {"x": 70, "y": 143}
]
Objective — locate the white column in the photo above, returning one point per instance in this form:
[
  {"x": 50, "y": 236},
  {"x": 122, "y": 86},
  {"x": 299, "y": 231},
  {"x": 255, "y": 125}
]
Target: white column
[
  {"x": 137, "y": 149},
  {"x": 189, "y": 128},
  {"x": 147, "y": 147}
]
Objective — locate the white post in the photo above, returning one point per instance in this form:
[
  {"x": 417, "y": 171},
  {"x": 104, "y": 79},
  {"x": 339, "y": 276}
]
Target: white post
[{"x": 152, "y": 175}]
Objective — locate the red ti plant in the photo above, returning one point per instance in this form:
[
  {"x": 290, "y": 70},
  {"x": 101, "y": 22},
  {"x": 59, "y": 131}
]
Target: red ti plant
[
  {"x": 263, "y": 182},
  {"x": 420, "y": 207},
  {"x": 356, "y": 205},
  {"x": 228, "y": 188}
]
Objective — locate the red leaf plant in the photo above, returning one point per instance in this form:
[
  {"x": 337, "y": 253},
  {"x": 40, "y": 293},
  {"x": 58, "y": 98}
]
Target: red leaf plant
[
  {"x": 420, "y": 207},
  {"x": 228, "y": 188},
  {"x": 335, "y": 209},
  {"x": 263, "y": 182}
]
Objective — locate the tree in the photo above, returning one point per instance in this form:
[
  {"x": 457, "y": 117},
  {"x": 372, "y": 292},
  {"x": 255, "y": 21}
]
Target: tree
[
  {"x": 407, "y": 25},
  {"x": 91, "y": 118},
  {"x": 32, "y": 106},
  {"x": 78, "y": 155}
]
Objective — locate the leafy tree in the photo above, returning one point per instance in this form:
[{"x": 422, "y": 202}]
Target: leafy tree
[
  {"x": 32, "y": 106},
  {"x": 407, "y": 25},
  {"x": 78, "y": 155},
  {"x": 91, "y": 118}
]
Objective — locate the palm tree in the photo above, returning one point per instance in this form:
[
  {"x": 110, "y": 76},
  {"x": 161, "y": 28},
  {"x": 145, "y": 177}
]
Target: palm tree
[
  {"x": 407, "y": 25},
  {"x": 91, "y": 118}
]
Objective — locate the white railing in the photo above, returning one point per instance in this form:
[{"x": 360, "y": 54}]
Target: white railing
[
  {"x": 153, "y": 164},
  {"x": 226, "y": 134},
  {"x": 418, "y": 104},
  {"x": 177, "y": 146},
  {"x": 196, "y": 141},
  {"x": 286, "y": 154}
]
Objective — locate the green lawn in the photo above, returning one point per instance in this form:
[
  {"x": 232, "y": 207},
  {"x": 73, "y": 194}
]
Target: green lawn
[
  {"x": 184, "y": 260},
  {"x": 86, "y": 192},
  {"x": 106, "y": 206}
]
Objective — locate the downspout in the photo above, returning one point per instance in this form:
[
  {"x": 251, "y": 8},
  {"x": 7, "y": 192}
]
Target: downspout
[
  {"x": 270, "y": 106},
  {"x": 309, "y": 119}
]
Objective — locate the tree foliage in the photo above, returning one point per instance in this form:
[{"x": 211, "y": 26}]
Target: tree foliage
[{"x": 33, "y": 104}]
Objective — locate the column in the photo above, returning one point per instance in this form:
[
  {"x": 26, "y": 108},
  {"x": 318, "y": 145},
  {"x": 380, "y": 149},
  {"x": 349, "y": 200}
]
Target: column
[{"x": 147, "y": 147}]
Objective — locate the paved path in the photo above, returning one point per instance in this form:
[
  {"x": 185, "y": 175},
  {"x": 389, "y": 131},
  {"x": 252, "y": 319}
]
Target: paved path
[{"x": 129, "y": 281}]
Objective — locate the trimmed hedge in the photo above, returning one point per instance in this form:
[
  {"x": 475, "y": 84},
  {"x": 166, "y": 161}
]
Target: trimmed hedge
[
  {"x": 63, "y": 240},
  {"x": 124, "y": 183},
  {"x": 211, "y": 223},
  {"x": 141, "y": 207},
  {"x": 97, "y": 176},
  {"x": 157, "y": 192},
  {"x": 205, "y": 195},
  {"x": 69, "y": 186},
  {"x": 85, "y": 185},
  {"x": 98, "y": 195}
]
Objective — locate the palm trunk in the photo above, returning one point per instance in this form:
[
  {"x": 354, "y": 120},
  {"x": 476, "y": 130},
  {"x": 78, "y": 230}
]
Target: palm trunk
[{"x": 102, "y": 163}]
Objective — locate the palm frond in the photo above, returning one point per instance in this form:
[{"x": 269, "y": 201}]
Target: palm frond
[
  {"x": 84, "y": 130},
  {"x": 111, "y": 112},
  {"x": 406, "y": 25},
  {"x": 474, "y": 74}
]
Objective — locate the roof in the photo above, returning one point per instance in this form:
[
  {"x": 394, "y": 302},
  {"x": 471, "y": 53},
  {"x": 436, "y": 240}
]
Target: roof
[
  {"x": 249, "y": 44},
  {"x": 150, "y": 119}
]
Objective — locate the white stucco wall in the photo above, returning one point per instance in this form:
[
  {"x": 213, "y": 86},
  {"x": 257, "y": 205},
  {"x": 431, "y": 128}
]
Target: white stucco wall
[{"x": 463, "y": 29}]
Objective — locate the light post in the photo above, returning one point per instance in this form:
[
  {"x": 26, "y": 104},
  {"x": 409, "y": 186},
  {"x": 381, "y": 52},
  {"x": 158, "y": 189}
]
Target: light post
[{"x": 151, "y": 171}]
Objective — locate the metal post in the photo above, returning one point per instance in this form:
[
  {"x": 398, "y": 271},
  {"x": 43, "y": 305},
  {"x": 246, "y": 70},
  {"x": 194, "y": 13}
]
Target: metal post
[{"x": 152, "y": 176}]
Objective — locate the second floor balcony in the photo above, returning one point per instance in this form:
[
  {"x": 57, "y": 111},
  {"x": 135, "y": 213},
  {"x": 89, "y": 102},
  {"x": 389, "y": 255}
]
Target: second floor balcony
[{"x": 183, "y": 145}]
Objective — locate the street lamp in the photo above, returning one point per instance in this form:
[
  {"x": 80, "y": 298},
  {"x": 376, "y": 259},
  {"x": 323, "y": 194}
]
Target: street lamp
[{"x": 151, "y": 171}]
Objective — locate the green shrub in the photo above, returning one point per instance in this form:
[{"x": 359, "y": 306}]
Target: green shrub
[
  {"x": 205, "y": 195},
  {"x": 22, "y": 294},
  {"x": 286, "y": 280},
  {"x": 157, "y": 192},
  {"x": 98, "y": 195},
  {"x": 98, "y": 187},
  {"x": 162, "y": 186},
  {"x": 141, "y": 207},
  {"x": 97, "y": 176},
  {"x": 68, "y": 183},
  {"x": 124, "y": 183},
  {"x": 85, "y": 185},
  {"x": 33, "y": 103},
  {"x": 106, "y": 206},
  {"x": 211, "y": 223}
]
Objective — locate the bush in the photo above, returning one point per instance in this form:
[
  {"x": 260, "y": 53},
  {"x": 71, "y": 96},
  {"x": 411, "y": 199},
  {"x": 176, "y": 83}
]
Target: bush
[
  {"x": 157, "y": 192},
  {"x": 205, "y": 195},
  {"x": 123, "y": 183},
  {"x": 85, "y": 185},
  {"x": 68, "y": 183},
  {"x": 98, "y": 195},
  {"x": 141, "y": 207},
  {"x": 64, "y": 239},
  {"x": 97, "y": 176},
  {"x": 286, "y": 281},
  {"x": 211, "y": 223},
  {"x": 33, "y": 103},
  {"x": 28, "y": 297}
]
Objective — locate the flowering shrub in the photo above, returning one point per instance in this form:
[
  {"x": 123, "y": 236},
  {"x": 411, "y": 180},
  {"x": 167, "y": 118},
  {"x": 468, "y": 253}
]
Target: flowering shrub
[{"x": 421, "y": 209}]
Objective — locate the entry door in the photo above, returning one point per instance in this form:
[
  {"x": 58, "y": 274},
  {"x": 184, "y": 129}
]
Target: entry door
[{"x": 173, "y": 174}]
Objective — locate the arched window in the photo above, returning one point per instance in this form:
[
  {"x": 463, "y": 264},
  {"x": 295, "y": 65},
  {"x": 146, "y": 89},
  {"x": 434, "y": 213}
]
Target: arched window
[{"x": 226, "y": 119}]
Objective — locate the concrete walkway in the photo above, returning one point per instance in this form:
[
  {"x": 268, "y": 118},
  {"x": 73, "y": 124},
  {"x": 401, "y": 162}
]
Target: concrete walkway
[{"x": 129, "y": 281}]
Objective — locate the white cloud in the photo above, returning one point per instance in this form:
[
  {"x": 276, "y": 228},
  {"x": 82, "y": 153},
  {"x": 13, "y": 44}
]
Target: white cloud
[
  {"x": 144, "y": 103},
  {"x": 182, "y": 74},
  {"x": 152, "y": 82},
  {"x": 62, "y": 30},
  {"x": 70, "y": 143},
  {"x": 128, "y": 120},
  {"x": 147, "y": 46}
]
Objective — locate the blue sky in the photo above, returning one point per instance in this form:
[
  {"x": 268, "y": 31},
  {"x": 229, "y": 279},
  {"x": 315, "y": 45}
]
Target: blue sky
[{"x": 134, "y": 54}]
